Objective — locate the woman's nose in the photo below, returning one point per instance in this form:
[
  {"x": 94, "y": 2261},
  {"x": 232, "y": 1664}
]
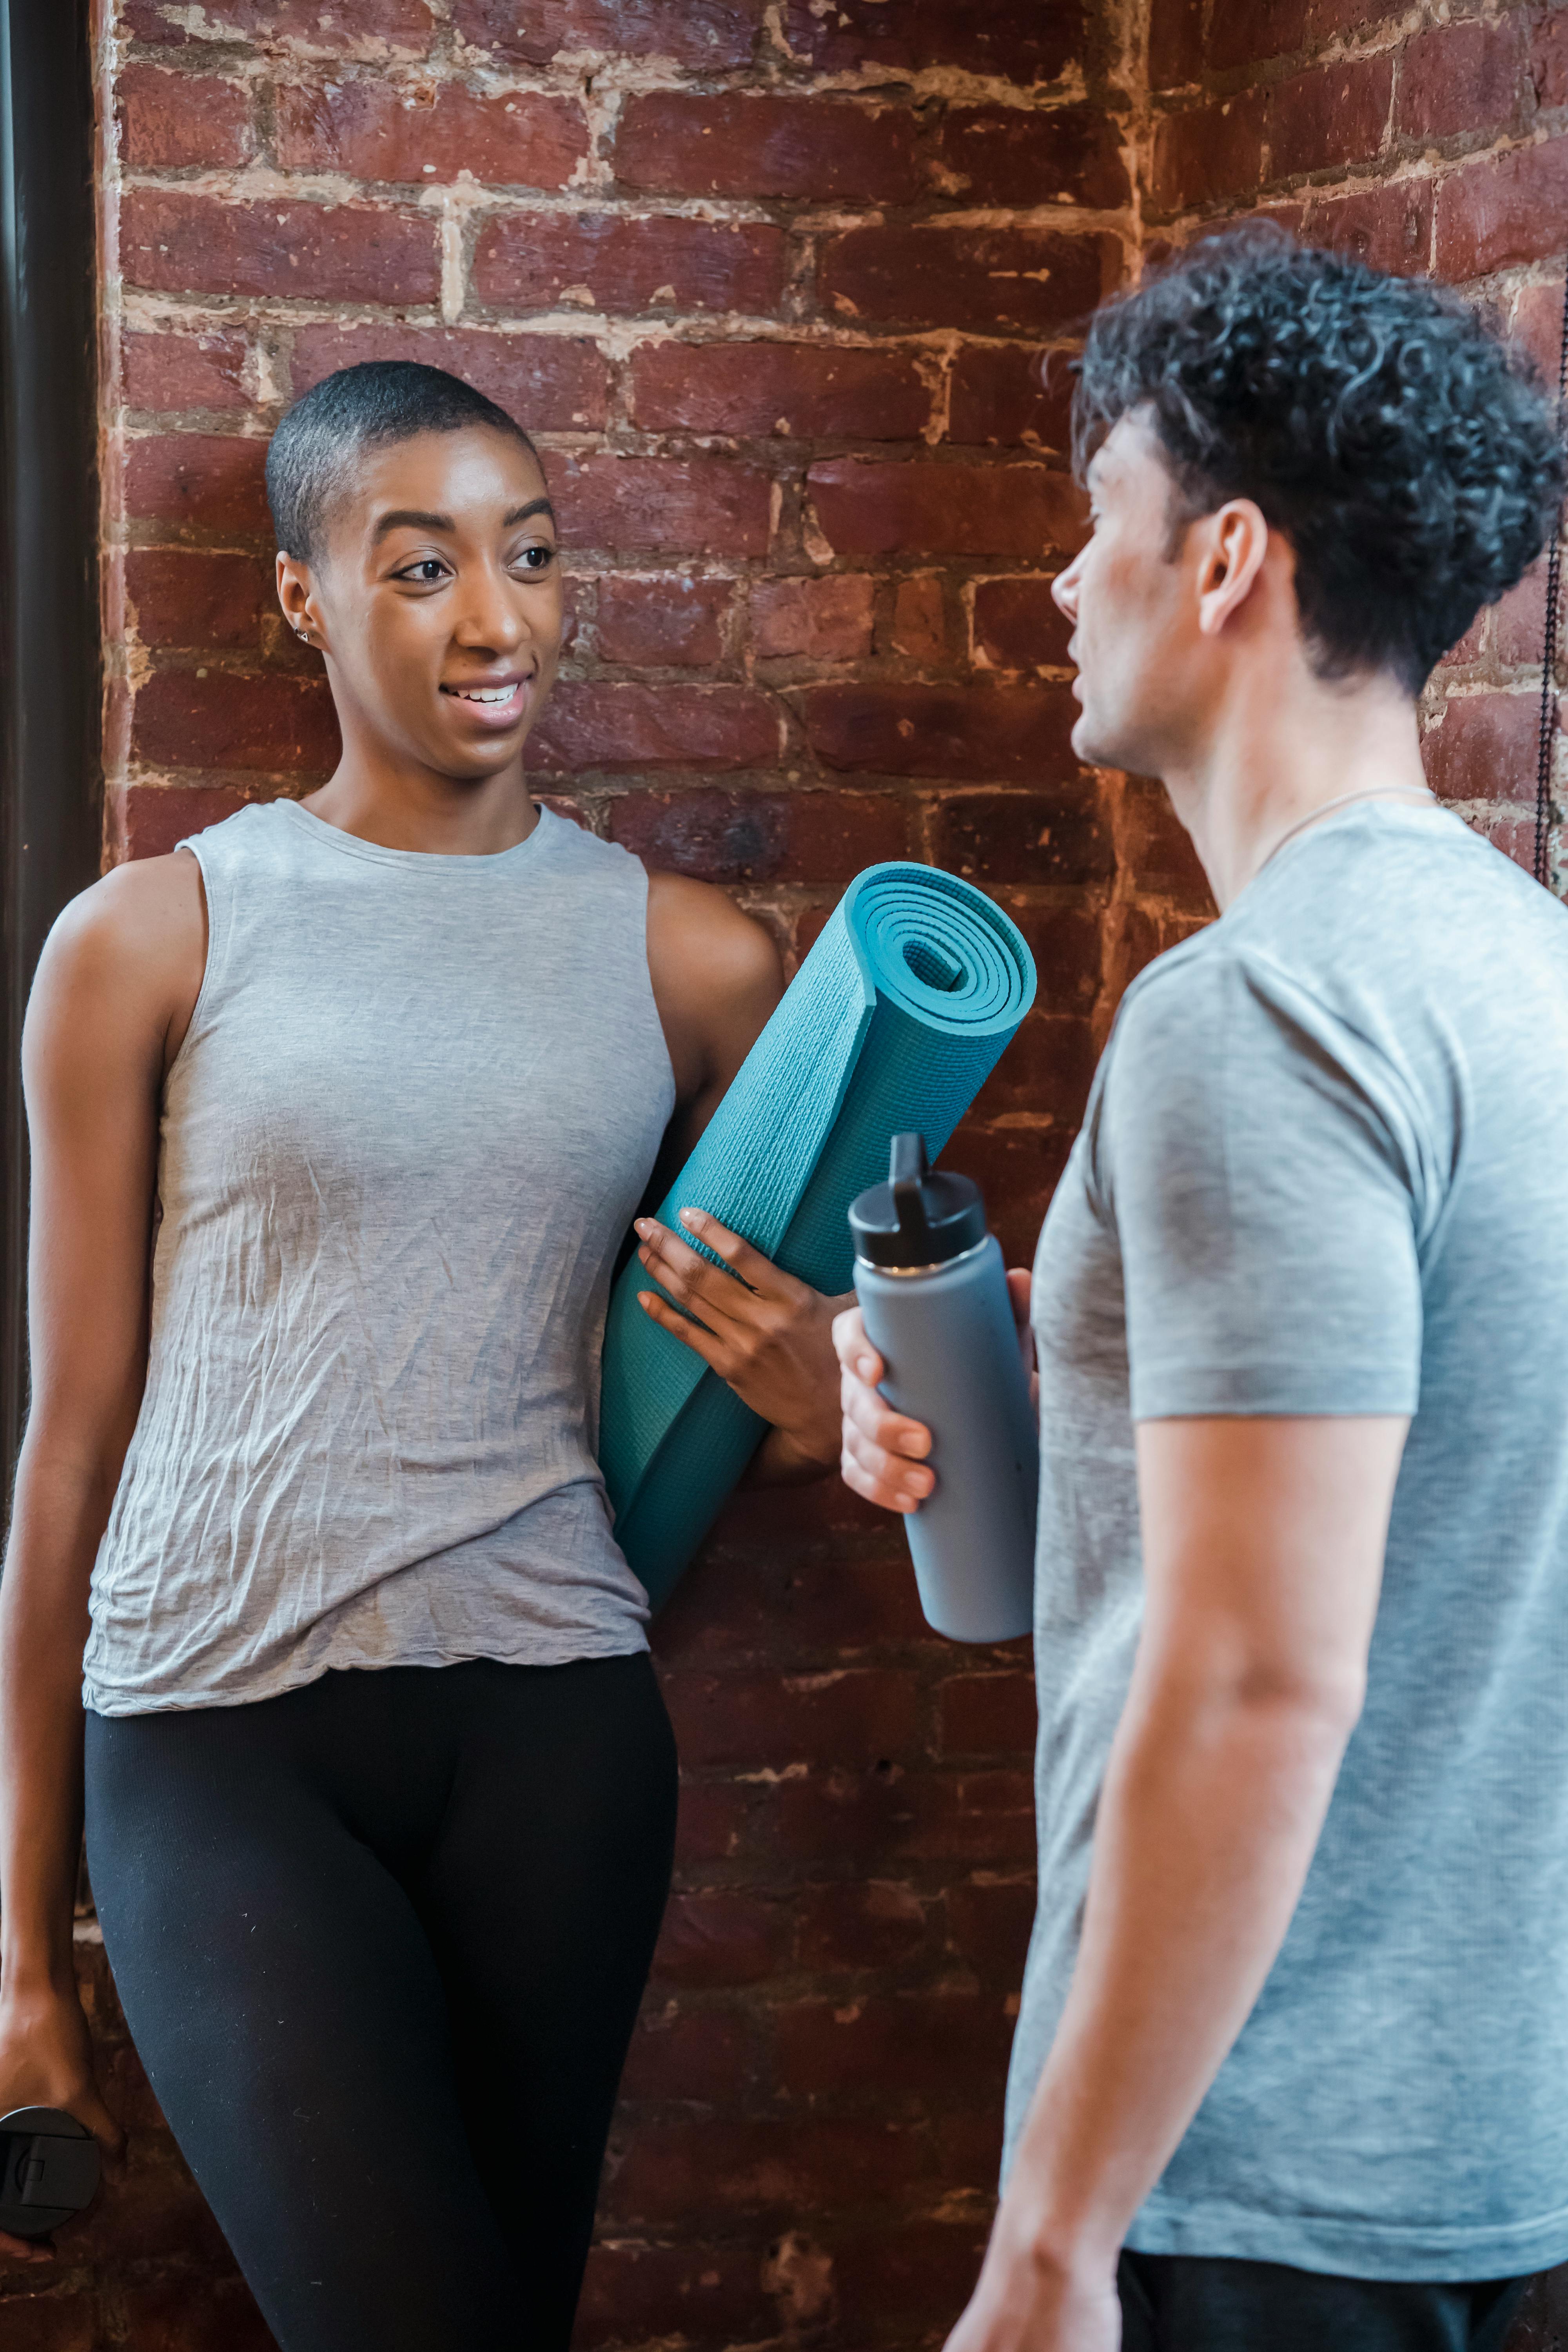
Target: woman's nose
[{"x": 491, "y": 615}]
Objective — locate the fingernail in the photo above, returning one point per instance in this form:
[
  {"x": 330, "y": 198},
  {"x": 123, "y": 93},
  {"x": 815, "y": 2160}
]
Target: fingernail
[
  {"x": 914, "y": 1446},
  {"x": 866, "y": 1367},
  {"x": 689, "y": 1216},
  {"x": 642, "y": 1226}
]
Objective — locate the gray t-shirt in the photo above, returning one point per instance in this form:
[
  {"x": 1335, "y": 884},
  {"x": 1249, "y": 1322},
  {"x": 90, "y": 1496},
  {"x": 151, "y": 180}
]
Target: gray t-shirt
[{"x": 1324, "y": 1169}]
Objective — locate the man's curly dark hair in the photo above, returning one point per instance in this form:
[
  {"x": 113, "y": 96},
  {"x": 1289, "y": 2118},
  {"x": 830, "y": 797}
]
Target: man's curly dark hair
[{"x": 1406, "y": 449}]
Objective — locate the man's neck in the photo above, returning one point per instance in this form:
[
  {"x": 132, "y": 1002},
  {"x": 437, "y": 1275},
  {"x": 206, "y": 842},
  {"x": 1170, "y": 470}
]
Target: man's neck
[{"x": 1280, "y": 751}]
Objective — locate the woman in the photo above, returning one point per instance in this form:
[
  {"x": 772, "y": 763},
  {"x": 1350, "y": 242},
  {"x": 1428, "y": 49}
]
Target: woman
[{"x": 379, "y": 1787}]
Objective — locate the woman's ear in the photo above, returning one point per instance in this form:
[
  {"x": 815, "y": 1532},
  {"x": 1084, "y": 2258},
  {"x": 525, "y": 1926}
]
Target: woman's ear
[{"x": 296, "y": 595}]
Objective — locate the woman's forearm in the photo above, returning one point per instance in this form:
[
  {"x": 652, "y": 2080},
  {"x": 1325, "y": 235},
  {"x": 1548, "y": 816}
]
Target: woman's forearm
[{"x": 58, "y": 1516}]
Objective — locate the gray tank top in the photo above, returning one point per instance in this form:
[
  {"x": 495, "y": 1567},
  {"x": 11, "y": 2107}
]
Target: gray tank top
[{"x": 415, "y": 1113}]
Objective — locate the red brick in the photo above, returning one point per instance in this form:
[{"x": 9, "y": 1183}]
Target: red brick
[
  {"x": 986, "y": 1713},
  {"x": 716, "y": 1820},
  {"x": 369, "y": 30},
  {"x": 671, "y": 619},
  {"x": 1209, "y": 151},
  {"x": 827, "y": 619},
  {"x": 1485, "y": 749},
  {"x": 1012, "y": 394},
  {"x": 611, "y": 728},
  {"x": 1176, "y": 42},
  {"x": 989, "y": 1922},
  {"x": 1017, "y": 625},
  {"x": 1336, "y": 115},
  {"x": 869, "y": 1820},
  {"x": 216, "y": 480},
  {"x": 379, "y": 130},
  {"x": 1017, "y": 1171},
  {"x": 713, "y": 1939},
  {"x": 866, "y": 507},
  {"x": 1388, "y": 228},
  {"x": 1549, "y": 57},
  {"x": 919, "y": 618},
  {"x": 874, "y": 1924},
  {"x": 537, "y": 261},
  {"x": 1046, "y": 1072},
  {"x": 1518, "y": 627},
  {"x": 56, "y": 2319},
  {"x": 688, "y": 2053},
  {"x": 1157, "y": 849},
  {"x": 1034, "y": 279},
  {"x": 685, "y": 2172},
  {"x": 184, "y": 2314},
  {"x": 224, "y": 721},
  {"x": 967, "y": 731},
  {"x": 826, "y": 1601},
  {"x": 551, "y": 384},
  {"x": 171, "y": 121},
  {"x": 916, "y": 2045},
  {"x": 742, "y": 145},
  {"x": 1015, "y": 40},
  {"x": 1460, "y": 78},
  {"x": 632, "y": 2290},
  {"x": 708, "y": 33},
  {"x": 911, "y": 2275},
  {"x": 810, "y": 389},
  {"x": 179, "y": 243},
  {"x": 168, "y": 371},
  {"x": 1246, "y": 35},
  {"x": 185, "y": 597},
  {"x": 680, "y": 506},
  {"x": 1022, "y": 156},
  {"x": 1501, "y": 210},
  {"x": 1047, "y": 836},
  {"x": 1537, "y": 323},
  {"x": 850, "y": 1716}
]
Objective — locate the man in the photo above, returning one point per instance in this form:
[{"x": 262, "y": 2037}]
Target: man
[{"x": 1291, "y": 2068}]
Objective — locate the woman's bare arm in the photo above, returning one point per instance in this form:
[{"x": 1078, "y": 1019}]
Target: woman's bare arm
[{"x": 115, "y": 988}]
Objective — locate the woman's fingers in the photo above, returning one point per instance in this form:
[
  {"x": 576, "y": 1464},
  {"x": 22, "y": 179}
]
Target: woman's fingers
[
  {"x": 759, "y": 1273},
  {"x": 683, "y": 1327},
  {"x": 692, "y": 1280},
  {"x": 883, "y": 1477},
  {"x": 855, "y": 1352}
]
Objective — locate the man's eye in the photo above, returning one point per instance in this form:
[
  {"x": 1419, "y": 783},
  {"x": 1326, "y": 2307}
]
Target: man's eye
[{"x": 428, "y": 568}]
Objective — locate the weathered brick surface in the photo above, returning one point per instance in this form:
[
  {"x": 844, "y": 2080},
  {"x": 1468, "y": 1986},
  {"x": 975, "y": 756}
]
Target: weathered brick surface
[{"x": 772, "y": 286}]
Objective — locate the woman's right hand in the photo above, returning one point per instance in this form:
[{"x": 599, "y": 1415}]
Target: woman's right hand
[{"x": 45, "y": 2061}]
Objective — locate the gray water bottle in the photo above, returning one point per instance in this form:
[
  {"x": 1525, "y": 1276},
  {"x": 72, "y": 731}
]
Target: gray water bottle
[{"x": 933, "y": 1296}]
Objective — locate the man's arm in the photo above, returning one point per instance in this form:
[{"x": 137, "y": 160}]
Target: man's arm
[{"x": 1263, "y": 1542}]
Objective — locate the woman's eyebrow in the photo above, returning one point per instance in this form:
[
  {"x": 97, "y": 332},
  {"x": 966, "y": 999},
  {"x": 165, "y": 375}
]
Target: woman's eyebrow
[
  {"x": 413, "y": 519},
  {"x": 520, "y": 514}
]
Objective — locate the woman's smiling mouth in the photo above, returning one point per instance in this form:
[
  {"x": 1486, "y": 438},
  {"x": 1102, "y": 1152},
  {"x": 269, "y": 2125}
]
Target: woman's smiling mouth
[{"x": 498, "y": 701}]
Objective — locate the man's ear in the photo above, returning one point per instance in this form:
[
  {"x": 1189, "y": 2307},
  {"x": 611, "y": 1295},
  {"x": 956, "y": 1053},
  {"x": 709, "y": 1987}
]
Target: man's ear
[
  {"x": 1233, "y": 545},
  {"x": 296, "y": 595}
]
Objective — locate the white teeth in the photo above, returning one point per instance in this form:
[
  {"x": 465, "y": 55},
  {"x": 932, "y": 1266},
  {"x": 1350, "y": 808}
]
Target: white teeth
[{"x": 482, "y": 693}]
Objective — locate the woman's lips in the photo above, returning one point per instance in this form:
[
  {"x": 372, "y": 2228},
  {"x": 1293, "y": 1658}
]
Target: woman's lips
[{"x": 495, "y": 703}]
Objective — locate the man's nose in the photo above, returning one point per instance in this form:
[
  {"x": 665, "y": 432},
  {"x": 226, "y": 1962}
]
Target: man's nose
[{"x": 1064, "y": 586}]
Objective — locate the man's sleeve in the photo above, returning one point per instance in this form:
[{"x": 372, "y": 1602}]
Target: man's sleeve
[{"x": 1255, "y": 1158}]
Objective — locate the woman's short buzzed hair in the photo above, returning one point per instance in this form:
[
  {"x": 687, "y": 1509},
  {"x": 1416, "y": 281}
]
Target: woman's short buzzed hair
[
  {"x": 1384, "y": 426},
  {"x": 316, "y": 445}
]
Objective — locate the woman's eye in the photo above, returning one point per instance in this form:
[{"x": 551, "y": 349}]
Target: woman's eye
[
  {"x": 430, "y": 568},
  {"x": 536, "y": 559}
]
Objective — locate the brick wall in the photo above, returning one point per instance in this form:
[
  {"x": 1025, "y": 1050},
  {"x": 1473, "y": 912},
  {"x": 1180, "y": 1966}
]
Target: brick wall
[
  {"x": 768, "y": 283},
  {"x": 1430, "y": 138}
]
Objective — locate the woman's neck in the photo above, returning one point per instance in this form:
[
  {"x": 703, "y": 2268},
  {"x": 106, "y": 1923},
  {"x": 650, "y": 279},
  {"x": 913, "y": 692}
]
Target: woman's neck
[{"x": 445, "y": 816}]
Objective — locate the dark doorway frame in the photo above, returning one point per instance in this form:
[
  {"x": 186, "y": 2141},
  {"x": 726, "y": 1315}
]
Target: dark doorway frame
[{"x": 51, "y": 823}]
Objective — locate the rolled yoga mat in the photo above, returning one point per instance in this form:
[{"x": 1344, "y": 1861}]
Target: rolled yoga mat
[{"x": 892, "y": 1025}]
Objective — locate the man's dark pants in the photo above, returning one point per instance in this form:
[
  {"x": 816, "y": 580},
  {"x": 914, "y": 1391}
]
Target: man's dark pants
[{"x": 1182, "y": 2303}]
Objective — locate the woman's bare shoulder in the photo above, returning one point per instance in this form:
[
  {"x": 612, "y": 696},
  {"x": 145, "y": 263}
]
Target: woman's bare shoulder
[
  {"x": 699, "y": 940},
  {"x": 131, "y": 947}
]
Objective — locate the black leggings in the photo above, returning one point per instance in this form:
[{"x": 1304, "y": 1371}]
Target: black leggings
[
  {"x": 1195, "y": 2303},
  {"x": 380, "y": 1944}
]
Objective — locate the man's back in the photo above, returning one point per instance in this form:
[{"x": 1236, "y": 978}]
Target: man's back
[{"x": 1322, "y": 1174}]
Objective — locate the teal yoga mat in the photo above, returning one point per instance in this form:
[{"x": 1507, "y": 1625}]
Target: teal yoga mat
[{"x": 892, "y": 1024}]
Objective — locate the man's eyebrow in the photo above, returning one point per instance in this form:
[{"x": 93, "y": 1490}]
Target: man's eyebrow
[
  {"x": 411, "y": 518},
  {"x": 520, "y": 514}
]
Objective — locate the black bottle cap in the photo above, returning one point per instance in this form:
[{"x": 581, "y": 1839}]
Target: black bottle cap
[
  {"x": 917, "y": 1217},
  {"x": 48, "y": 2170}
]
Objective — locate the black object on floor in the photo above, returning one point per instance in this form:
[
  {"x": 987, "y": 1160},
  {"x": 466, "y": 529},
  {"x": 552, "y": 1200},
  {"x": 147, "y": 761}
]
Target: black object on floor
[{"x": 48, "y": 2170}]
